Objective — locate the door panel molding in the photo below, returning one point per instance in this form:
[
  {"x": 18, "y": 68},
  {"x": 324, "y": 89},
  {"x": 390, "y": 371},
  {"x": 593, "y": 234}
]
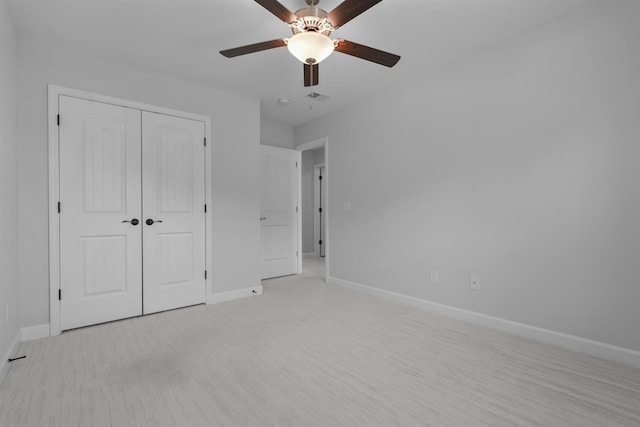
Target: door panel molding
[{"x": 54, "y": 93}]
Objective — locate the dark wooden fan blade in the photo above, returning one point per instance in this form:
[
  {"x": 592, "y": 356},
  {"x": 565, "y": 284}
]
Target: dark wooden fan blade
[
  {"x": 367, "y": 53},
  {"x": 278, "y": 10},
  {"x": 310, "y": 75},
  {"x": 251, "y": 48},
  {"x": 349, "y": 9}
]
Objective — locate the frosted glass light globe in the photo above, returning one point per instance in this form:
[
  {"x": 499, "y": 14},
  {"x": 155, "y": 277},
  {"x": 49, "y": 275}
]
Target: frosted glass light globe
[{"x": 310, "y": 47}]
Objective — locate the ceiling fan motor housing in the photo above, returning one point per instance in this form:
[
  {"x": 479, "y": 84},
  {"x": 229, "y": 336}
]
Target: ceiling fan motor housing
[{"x": 311, "y": 19}]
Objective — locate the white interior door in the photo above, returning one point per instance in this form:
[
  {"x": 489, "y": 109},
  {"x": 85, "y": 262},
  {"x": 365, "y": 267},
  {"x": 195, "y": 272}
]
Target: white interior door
[
  {"x": 279, "y": 218},
  {"x": 174, "y": 212},
  {"x": 319, "y": 210},
  {"x": 100, "y": 189},
  {"x": 132, "y": 217},
  {"x": 322, "y": 194}
]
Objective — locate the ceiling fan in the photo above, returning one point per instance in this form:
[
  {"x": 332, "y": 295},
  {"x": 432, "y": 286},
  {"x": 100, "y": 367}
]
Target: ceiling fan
[{"x": 311, "y": 28}]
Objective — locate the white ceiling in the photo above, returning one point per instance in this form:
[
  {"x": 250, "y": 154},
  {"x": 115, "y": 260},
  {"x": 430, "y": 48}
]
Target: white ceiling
[{"x": 181, "y": 38}]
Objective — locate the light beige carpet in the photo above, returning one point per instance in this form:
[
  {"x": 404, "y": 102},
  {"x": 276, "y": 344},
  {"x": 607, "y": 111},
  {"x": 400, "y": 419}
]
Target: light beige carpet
[{"x": 309, "y": 354}]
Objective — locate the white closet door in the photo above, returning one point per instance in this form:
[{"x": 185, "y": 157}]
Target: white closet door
[
  {"x": 279, "y": 220},
  {"x": 173, "y": 212},
  {"x": 100, "y": 188}
]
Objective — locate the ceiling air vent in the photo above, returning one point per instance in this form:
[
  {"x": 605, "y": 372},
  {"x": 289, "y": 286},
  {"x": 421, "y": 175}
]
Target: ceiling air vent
[{"x": 317, "y": 96}]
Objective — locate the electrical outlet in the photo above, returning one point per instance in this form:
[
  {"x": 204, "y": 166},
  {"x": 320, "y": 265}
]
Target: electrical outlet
[
  {"x": 434, "y": 276},
  {"x": 474, "y": 282}
]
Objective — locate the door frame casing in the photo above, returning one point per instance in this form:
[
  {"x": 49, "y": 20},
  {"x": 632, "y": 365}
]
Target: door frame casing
[
  {"x": 54, "y": 91},
  {"x": 318, "y": 143}
]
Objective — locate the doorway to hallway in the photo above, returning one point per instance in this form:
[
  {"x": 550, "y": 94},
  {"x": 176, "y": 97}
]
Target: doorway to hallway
[{"x": 315, "y": 213}]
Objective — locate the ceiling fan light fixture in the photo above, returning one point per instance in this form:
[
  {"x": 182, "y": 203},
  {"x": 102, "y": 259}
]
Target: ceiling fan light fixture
[
  {"x": 311, "y": 42},
  {"x": 310, "y": 47}
]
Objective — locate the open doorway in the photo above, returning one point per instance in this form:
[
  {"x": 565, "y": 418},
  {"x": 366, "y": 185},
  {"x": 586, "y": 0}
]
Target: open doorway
[{"x": 314, "y": 221}]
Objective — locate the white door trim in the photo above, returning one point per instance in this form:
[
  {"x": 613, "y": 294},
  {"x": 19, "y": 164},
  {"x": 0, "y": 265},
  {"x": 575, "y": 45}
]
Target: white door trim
[
  {"x": 319, "y": 143},
  {"x": 54, "y": 92}
]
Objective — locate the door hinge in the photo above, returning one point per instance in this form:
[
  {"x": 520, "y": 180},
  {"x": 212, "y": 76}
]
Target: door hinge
[
  {"x": 296, "y": 164},
  {"x": 59, "y": 207},
  {"x": 59, "y": 294},
  {"x": 320, "y": 177},
  {"x": 205, "y": 141},
  {"x": 205, "y": 208},
  {"x": 320, "y": 210},
  {"x": 296, "y": 209},
  {"x": 320, "y": 242},
  {"x": 205, "y": 275},
  {"x": 58, "y": 119}
]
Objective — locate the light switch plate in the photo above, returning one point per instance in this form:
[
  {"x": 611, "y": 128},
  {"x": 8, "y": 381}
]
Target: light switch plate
[{"x": 434, "y": 276}]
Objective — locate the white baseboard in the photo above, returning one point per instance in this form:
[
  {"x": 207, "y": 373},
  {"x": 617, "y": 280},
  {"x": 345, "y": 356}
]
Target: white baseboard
[
  {"x": 308, "y": 255},
  {"x": 569, "y": 342},
  {"x": 231, "y": 295},
  {"x": 35, "y": 332},
  {"x": 4, "y": 363}
]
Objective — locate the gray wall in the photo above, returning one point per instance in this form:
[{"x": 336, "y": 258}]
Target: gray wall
[
  {"x": 9, "y": 290},
  {"x": 276, "y": 134},
  {"x": 235, "y": 138},
  {"x": 519, "y": 164}
]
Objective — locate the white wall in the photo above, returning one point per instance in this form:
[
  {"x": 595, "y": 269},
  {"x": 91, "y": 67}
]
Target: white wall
[
  {"x": 318, "y": 156},
  {"x": 235, "y": 132},
  {"x": 276, "y": 134},
  {"x": 9, "y": 290},
  {"x": 519, "y": 164}
]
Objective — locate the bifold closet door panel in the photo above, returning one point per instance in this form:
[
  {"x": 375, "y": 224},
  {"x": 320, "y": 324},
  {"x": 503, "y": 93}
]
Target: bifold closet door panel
[
  {"x": 100, "y": 215},
  {"x": 173, "y": 181}
]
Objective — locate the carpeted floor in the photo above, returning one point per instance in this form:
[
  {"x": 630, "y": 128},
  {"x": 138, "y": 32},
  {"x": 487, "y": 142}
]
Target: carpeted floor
[{"x": 309, "y": 354}]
